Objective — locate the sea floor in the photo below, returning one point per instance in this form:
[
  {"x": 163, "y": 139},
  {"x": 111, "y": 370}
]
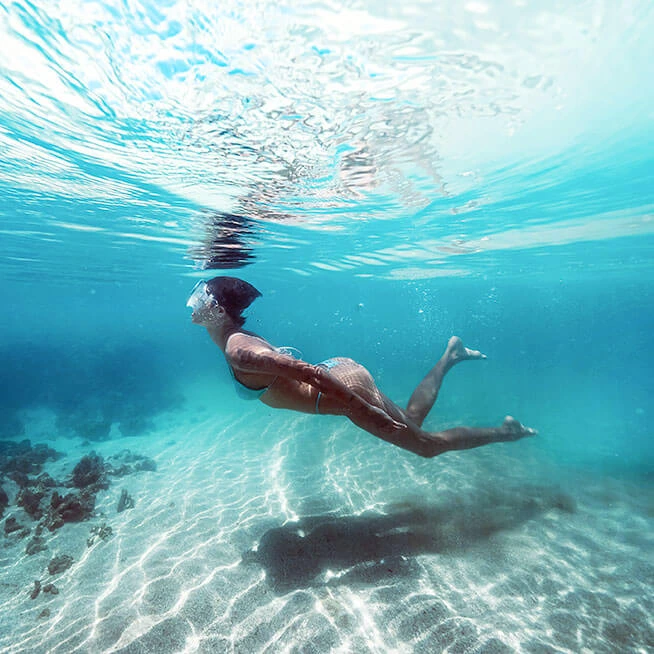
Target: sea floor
[{"x": 272, "y": 532}]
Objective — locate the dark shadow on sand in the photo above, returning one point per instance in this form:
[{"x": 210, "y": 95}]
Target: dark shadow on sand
[{"x": 374, "y": 547}]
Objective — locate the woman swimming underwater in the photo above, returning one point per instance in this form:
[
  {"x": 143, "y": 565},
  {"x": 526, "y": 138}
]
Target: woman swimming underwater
[{"x": 337, "y": 386}]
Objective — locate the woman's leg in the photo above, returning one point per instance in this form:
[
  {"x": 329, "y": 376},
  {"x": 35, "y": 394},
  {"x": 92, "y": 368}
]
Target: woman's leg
[
  {"x": 423, "y": 398},
  {"x": 411, "y": 437},
  {"x": 426, "y": 444}
]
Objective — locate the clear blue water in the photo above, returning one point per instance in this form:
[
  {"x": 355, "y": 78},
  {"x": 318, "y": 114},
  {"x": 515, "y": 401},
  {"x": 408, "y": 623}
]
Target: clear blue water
[{"x": 407, "y": 173}]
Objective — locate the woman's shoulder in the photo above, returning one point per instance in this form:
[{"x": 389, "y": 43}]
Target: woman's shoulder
[{"x": 246, "y": 339}]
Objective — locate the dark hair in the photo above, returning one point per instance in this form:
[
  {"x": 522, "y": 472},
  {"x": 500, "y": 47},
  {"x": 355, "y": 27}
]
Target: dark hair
[{"x": 234, "y": 295}]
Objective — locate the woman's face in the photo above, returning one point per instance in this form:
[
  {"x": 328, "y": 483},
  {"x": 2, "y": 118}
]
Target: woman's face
[{"x": 206, "y": 310}]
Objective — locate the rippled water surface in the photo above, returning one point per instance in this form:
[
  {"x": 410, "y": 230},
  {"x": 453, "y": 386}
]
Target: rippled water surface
[
  {"x": 400, "y": 141},
  {"x": 387, "y": 174}
]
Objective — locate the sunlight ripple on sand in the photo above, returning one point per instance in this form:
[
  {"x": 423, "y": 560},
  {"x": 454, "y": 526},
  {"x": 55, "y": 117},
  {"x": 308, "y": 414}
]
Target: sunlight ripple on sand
[{"x": 263, "y": 533}]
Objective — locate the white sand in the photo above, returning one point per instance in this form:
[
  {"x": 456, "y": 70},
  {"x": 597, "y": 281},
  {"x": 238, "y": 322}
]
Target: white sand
[{"x": 476, "y": 556}]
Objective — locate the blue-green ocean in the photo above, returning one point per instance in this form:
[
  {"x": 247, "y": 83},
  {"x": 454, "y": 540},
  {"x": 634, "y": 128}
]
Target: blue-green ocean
[{"x": 387, "y": 176}]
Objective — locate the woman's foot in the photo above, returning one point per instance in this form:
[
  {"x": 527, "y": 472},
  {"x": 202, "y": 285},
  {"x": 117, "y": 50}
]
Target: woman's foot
[
  {"x": 456, "y": 351},
  {"x": 516, "y": 430}
]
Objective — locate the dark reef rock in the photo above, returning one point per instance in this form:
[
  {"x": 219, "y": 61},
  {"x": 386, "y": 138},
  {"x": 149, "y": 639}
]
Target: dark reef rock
[
  {"x": 4, "y": 501},
  {"x": 120, "y": 470},
  {"x": 12, "y": 526},
  {"x": 51, "y": 588},
  {"x": 126, "y": 462},
  {"x": 42, "y": 453},
  {"x": 36, "y": 590},
  {"x": 20, "y": 478},
  {"x": 60, "y": 564},
  {"x": 74, "y": 388},
  {"x": 11, "y": 424},
  {"x": 35, "y": 545},
  {"x": 73, "y": 507},
  {"x": 90, "y": 471},
  {"x": 31, "y": 502},
  {"x": 55, "y": 503},
  {"x": 564, "y": 502},
  {"x": 13, "y": 448},
  {"x": 44, "y": 481},
  {"x": 87, "y": 419},
  {"x": 21, "y": 457},
  {"x": 145, "y": 464},
  {"x": 18, "y": 460},
  {"x": 101, "y": 532},
  {"x": 135, "y": 424},
  {"x": 126, "y": 501},
  {"x": 95, "y": 430},
  {"x": 20, "y": 464},
  {"x": 45, "y": 613}
]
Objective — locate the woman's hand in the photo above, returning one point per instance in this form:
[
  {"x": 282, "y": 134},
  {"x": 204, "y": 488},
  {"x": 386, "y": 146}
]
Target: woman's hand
[
  {"x": 319, "y": 378},
  {"x": 377, "y": 418},
  {"x": 382, "y": 421}
]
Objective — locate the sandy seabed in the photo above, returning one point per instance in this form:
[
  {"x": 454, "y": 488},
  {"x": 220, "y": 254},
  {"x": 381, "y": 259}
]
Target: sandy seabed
[{"x": 274, "y": 532}]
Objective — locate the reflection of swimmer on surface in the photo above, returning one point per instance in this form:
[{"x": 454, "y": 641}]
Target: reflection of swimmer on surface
[{"x": 337, "y": 386}]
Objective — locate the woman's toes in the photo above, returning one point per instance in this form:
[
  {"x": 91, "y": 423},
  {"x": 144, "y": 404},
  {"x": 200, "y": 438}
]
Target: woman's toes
[
  {"x": 458, "y": 352},
  {"x": 517, "y": 429}
]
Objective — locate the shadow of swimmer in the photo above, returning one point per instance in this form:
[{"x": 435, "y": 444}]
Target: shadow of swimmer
[{"x": 373, "y": 547}]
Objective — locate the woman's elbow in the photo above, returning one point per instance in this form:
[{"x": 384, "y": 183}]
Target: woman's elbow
[{"x": 241, "y": 358}]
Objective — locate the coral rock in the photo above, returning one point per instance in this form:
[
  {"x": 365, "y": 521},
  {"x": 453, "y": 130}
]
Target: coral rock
[
  {"x": 126, "y": 501},
  {"x": 35, "y": 545},
  {"x": 60, "y": 564},
  {"x": 36, "y": 590},
  {"x": 90, "y": 471},
  {"x": 73, "y": 507}
]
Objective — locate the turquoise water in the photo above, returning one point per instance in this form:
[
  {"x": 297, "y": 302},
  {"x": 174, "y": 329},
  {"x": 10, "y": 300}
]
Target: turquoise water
[{"x": 387, "y": 177}]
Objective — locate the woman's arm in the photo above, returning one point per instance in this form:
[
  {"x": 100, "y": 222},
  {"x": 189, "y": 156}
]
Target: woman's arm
[{"x": 256, "y": 358}]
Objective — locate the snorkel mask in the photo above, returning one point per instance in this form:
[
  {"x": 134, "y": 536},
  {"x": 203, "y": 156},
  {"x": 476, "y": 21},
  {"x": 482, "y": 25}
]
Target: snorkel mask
[{"x": 199, "y": 296}]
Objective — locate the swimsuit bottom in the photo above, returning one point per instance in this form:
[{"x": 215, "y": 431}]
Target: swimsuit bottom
[{"x": 327, "y": 364}]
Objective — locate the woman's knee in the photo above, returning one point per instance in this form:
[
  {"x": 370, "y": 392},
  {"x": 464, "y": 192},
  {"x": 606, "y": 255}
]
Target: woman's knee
[
  {"x": 431, "y": 447},
  {"x": 413, "y": 415}
]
